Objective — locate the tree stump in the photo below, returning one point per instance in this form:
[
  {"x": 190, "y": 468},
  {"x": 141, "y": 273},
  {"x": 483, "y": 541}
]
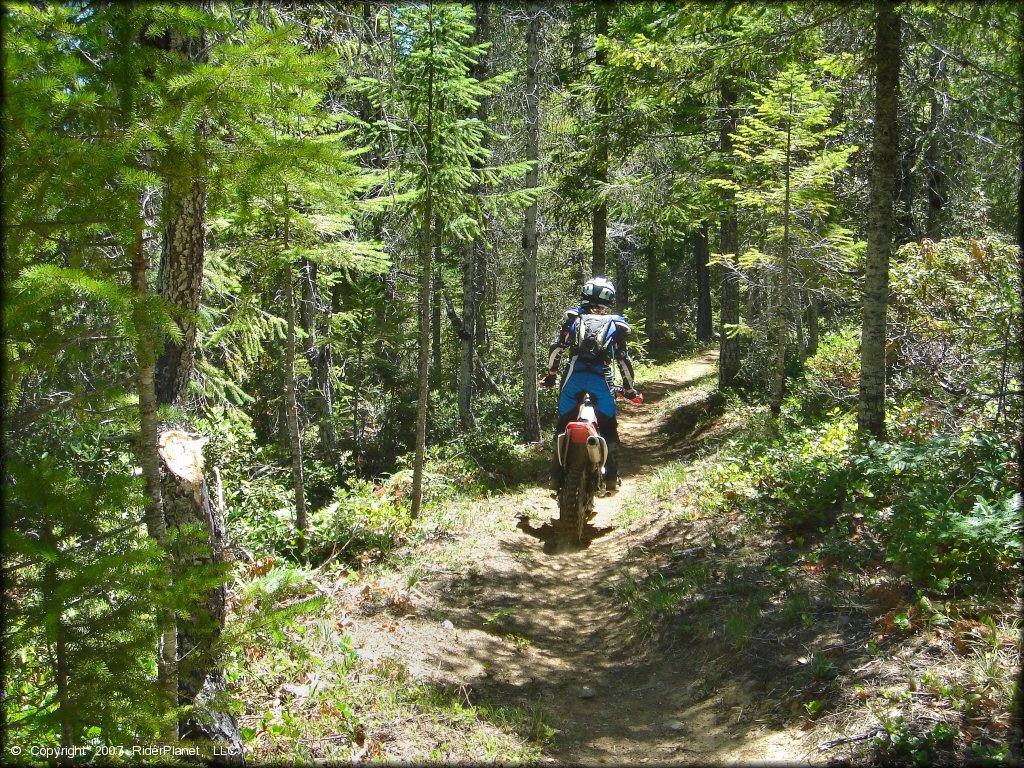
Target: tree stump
[{"x": 197, "y": 544}]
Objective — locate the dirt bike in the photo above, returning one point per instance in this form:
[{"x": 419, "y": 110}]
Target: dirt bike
[{"x": 582, "y": 452}]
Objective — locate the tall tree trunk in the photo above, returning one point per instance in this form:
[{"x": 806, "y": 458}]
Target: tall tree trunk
[
  {"x": 149, "y": 460},
  {"x": 812, "y": 323},
  {"x": 528, "y": 335},
  {"x": 907, "y": 228},
  {"x": 317, "y": 353},
  {"x": 55, "y": 632},
  {"x": 426, "y": 280},
  {"x": 357, "y": 394},
  {"x": 198, "y": 552},
  {"x": 623, "y": 258},
  {"x": 466, "y": 342},
  {"x": 180, "y": 282},
  {"x": 600, "y": 217},
  {"x": 473, "y": 254},
  {"x": 481, "y": 251},
  {"x": 180, "y": 276},
  {"x": 782, "y": 322},
  {"x": 652, "y": 292},
  {"x": 292, "y": 406},
  {"x": 871, "y": 414},
  {"x": 701, "y": 257},
  {"x": 435, "y": 336},
  {"x": 728, "y": 346},
  {"x": 935, "y": 153}
]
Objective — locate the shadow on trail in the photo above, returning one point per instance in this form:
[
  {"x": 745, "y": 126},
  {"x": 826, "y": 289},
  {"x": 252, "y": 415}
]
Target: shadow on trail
[{"x": 559, "y": 542}]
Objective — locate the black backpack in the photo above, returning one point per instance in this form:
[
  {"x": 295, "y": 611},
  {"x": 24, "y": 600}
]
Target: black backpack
[{"x": 593, "y": 337}]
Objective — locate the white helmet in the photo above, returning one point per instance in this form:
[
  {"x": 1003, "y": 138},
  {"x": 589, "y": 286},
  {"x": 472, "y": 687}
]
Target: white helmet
[{"x": 599, "y": 291}]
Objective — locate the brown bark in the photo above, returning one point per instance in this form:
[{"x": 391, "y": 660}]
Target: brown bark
[
  {"x": 600, "y": 217},
  {"x": 652, "y": 292},
  {"x": 728, "y": 348},
  {"x": 317, "y": 352},
  {"x": 623, "y": 259},
  {"x": 871, "y": 414},
  {"x": 56, "y": 634},
  {"x": 935, "y": 153},
  {"x": 198, "y": 552},
  {"x": 149, "y": 460},
  {"x": 528, "y": 336},
  {"x": 180, "y": 276},
  {"x": 180, "y": 282},
  {"x": 812, "y": 323},
  {"x": 782, "y": 320},
  {"x": 701, "y": 258},
  {"x": 426, "y": 280},
  {"x": 292, "y": 407}
]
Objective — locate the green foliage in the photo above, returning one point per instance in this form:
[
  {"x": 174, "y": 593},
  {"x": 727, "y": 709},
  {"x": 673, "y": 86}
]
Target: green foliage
[
  {"x": 812, "y": 481},
  {"x": 954, "y": 317},
  {"x": 943, "y": 509},
  {"x": 947, "y": 507},
  {"x": 84, "y": 588}
]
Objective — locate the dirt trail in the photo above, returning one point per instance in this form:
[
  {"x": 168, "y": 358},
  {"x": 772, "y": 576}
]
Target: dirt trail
[{"x": 537, "y": 620}]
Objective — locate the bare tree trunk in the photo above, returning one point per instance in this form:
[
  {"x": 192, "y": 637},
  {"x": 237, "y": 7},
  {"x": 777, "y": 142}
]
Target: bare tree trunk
[
  {"x": 652, "y": 292},
  {"x": 935, "y": 155},
  {"x": 149, "y": 460},
  {"x": 435, "y": 336},
  {"x": 600, "y": 217},
  {"x": 426, "y": 279},
  {"x": 180, "y": 276},
  {"x": 528, "y": 335},
  {"x": 701, "y": 257},
  {"x": 357, "y": 393},
  {"x": 871, "y": 415},
  {"x": 317, "y": 353},
  {"x": 481, "y": 251},
  {"x": 180, "y": 282},
  {"x": 812, "y": 322},
  {"x": 54, "y": 607},
  {"x": 199, "y": 547},
  {"x": 798, "y": 326},
  {"x": 466, "y": 343},
  {"x": 292, "y": 406},
  {"x": 623, "y": 259},
  {"x": 1016, "y": 736},
  {"x": 728, "y": 347},
  {"x": 782, "y": 322}
]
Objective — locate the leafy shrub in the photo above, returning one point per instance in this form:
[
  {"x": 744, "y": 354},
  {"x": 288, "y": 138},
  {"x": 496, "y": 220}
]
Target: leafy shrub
[
  {"x": 954, "y": 317},
  {"x": 363, "y": 518},
  {"x": 832, "y": 373},
  {"x": 809, "y": 474},
  {"x": 946, "y": 506}
]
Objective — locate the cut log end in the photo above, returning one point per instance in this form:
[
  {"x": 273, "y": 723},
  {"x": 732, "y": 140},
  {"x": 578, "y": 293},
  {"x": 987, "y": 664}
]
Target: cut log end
[{"x": 182, "y": 455}]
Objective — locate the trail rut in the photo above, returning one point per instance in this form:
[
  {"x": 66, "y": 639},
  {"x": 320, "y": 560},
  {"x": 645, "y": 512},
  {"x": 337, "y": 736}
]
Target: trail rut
[{"x": 536, "y": 620}]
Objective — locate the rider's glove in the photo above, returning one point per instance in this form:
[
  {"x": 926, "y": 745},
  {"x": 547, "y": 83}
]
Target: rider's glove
[{"x": 548, "y": 381}]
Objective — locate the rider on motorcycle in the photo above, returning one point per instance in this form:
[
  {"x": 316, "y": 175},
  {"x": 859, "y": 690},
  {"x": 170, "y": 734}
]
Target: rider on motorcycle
[{"x": 594, "y": 337}]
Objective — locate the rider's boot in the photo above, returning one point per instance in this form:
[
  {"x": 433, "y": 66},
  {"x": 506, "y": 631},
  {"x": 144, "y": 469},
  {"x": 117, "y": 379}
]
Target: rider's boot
[{"x": 611, "y": 470}]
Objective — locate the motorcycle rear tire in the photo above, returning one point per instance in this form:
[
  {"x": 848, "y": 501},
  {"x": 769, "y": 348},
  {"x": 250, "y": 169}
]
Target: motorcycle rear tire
[{"x": 576, "y": 500}]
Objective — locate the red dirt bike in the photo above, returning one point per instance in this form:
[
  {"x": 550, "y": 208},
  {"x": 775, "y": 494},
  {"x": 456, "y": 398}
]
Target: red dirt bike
[{"x": 582, "y": 453}]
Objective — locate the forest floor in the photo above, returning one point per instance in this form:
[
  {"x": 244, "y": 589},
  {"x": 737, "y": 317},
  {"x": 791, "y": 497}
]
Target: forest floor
[
  {"x": 525, "y": 619},
  {"x": 671, "y": 635}
]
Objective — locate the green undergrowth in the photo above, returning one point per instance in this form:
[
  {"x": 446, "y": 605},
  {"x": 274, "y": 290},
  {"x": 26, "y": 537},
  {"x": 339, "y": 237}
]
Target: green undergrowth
[{"x": 889, "y": 571}]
